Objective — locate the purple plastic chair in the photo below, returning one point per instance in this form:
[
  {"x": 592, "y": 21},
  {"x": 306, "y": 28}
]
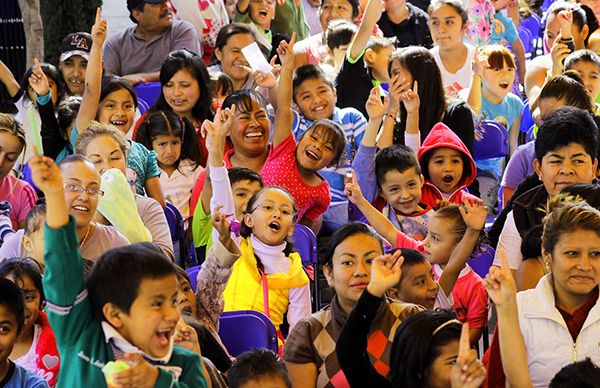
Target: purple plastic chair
[
  {"x": 526, "y": 118},
  {"x": 493, "y": 142},
  {"x": 143, "y": 106},
  {"x": 481, "y": 262},
  {"x": 175, "y": 221},
  {"x": 246, "y": 330},
  {"x": 193, "y": 274},
  {"x": 148, "y": 91},
  {"x": 305, "y": 242}
]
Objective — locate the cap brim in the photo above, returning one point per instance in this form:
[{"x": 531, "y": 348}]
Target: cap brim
[{"x": 69, "y": 54}]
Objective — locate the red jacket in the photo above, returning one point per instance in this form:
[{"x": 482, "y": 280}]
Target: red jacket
[{"x": 442, "y": 136}]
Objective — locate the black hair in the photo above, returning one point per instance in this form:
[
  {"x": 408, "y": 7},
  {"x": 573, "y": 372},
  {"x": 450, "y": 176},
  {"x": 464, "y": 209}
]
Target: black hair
[
  {"x": 565, "y": 126},
  {"x": 50, "y": 71},
  {"x": 66, "y": 113},
  {"x": 20, "y": 267},
  {"x": 569, "y": 88},
  {"x": 12, "y": 299},
  {"x": 243, "y": 100},
  {"x": 417, "y": 344},
  {"x": 579, "y": 17},
  {"x": 419, "y": 62},
  {"x": 227, "y": 32},
  {"x": 589, "y": 192},
  {"x": 35, "y": 218},
  {"x": 306, "y": 72},
  {"x": 531, "y": 245},
  {"x": 118, "y": 274},
  {"x": 334, "y": 135},
  {"x": 256, "y": 364},
  {"x": 396, "y": 157},
  {"x": 343, "y": 233},
  {"x": 167, "y": 122},
  {"x": 220, "y": 83},
  {"x": 412, "y": 257},
  {"x": 339, "y": 33},
  {"x": 186, "y": 60},
  {"x": 580, "y": 374},
  {"x": 455, "y": 4},
  {"x": 237, "y": 174},
  {"x": 112, "y": 84},
  {"x": 583, "y": 55},
  {"x": 139, "y": 8}
]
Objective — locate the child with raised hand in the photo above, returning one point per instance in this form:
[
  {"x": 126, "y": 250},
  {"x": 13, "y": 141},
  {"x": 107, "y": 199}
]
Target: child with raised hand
[
  {"x": 295, "y": 166},
  {"x": 113, "y": 101},
  {"x": 178, "y": 153},
  {"x": 126, "y": 310},
  {"x": 35, "y": 349},
  {"x": 412, "y": 364},
  {"x": 453, "y": 234}
]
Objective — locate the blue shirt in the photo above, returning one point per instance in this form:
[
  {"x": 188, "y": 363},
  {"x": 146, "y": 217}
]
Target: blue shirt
[
  {"x": 503, "y": 28},
  {"x": 22, "y": 378}
]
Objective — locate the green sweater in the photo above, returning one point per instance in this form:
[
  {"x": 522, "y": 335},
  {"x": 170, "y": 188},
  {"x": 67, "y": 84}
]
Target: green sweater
[{"x": 81, "y": 342}]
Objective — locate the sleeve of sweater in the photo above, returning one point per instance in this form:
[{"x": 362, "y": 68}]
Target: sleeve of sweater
[
  {"x": 52, "y": 140},
  {"x": 299, "y": 304},
  {"x": 364, "y": 168},
  {"x": 351, "y": 348},
  {"x": 222, "y": 194}
]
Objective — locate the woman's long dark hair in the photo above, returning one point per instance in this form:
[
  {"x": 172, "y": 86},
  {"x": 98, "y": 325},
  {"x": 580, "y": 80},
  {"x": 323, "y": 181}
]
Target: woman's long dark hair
[
  {"x": 192, "y": 63},
  {"x": 421, "y": 65}
]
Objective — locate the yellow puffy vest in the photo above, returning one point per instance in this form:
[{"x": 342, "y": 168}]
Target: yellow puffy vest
[{"x": 244, "y": 290}]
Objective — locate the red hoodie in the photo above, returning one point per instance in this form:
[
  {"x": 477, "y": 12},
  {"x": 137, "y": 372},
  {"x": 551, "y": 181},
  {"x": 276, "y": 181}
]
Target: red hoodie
[{"x": 442, "y": 136}]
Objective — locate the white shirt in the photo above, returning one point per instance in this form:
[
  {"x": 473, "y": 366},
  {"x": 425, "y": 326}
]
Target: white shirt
[
  {"x": 177, "y": 188},
  {"x": 509, "y": 244},
  {"x": 455, "y": 82}
]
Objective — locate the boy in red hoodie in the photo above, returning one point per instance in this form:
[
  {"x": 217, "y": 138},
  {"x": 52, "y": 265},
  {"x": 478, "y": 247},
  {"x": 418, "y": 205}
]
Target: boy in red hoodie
[{"x": 447, "y": 166}]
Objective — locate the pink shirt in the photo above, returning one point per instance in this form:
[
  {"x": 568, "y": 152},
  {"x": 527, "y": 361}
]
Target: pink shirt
[
  {"x": 20, "y": 195},
  {"x": 280, "y": 169}
]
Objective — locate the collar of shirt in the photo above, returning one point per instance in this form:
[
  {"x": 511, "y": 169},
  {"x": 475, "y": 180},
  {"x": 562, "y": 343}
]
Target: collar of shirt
[{"x": 112, "y": 335}]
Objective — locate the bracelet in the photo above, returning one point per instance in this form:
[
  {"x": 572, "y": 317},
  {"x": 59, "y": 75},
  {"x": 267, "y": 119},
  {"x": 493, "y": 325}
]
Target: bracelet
[{"x": 392, "y": 115}]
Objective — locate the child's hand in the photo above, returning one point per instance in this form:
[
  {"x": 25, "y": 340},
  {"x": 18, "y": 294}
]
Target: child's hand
[
  {"x": 285, "y": 51},
  {"x": 45, "y": 174},
  {"x": 186, "y": 337},
  {"x": 385, "y": 273},
  {"x": 565, "y": 21},
  {"x": 352, "y": 190},
  {"x": 140, "y": 375},
  {"x": 468, "y": 372},
  {"x": 559, "y": 51},
  {"x": 410, "y": 99},
  {"x": 474, "y": 215},
  {"x": 221, "y": 224},
  {"x": 395, "y": 90},
  {"x": 480, "y": 63},
  {"x": 375, "y": 107},
  {"x": 38, "y": 80},
  {"x": 99, "y": 29},
  {"x": 443, "y": 203},
  {"x": 500, "y": 284}
]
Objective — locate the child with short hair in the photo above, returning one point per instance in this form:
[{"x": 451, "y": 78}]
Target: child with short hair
[
  {"x": 35, "y": 349},
  {"x": 12, "y": 316},
  {"x": 220, "y": 86},
  {"x": 127, "y": 312},
  {"x": 504, "y": 31},
  {"x": 587, "y": 64},
  {"x": 258, "y": 367},
  {"x": 29, "y": 241},
  {"x": 315, "y": 97}
]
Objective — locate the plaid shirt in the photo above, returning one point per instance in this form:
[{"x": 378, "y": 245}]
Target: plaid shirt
[{"x": 313, "y": 340}]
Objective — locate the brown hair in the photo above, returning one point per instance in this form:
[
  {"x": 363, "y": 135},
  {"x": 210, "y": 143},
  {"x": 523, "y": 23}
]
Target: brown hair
[
  {"x": 96, "y": 129},
  {"x": 498, "y": 56}
]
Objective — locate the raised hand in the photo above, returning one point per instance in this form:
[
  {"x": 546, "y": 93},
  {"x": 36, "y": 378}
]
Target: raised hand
[
  {"x": 558, "y": 52},
  {"x": 285, "y": 51},
  {"x": 45, "y": 174},
  {"x": 221, "y": 224},
  {"x": 385, "y": 273},
  {"x": 99, "y": 29},
  {"x": 352, "y": 189},
  {"x": 38, "y": 80},
  {"x": 480, "y": 63},
  {"x": 468, "y": 372},
  {"x": 411, "y": 100},
  {"x": 500, "y": 284},
  {"x": 141, "y": 374},
  {"x": 565, "y": 21},
  {"x": 474, "y": 215},
  {"x": 375, "y": 107}
]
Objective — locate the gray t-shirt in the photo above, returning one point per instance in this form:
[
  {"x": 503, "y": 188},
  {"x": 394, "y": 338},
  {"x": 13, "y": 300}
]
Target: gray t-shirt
[{"x": 125, "y": 53}]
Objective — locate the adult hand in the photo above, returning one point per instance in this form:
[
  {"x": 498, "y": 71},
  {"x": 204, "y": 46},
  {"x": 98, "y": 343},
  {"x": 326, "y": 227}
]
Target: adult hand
[
  {"x": 558, "y": 52},
  {"x": 468, "y": 372},
  {"x": 500, "y": 284},
  {"x": 38, "y": 80},
  {"x": 565, "y": 21}
]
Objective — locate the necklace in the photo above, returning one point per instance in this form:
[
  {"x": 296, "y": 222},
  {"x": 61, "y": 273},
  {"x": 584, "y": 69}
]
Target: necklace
[{"x": 87, "y": 233}]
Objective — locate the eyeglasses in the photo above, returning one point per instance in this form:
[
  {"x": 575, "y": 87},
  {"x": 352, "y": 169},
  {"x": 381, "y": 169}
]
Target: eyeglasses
[
  {"x": 284, "y": 211},
  {"x": 91, "y": 191}
]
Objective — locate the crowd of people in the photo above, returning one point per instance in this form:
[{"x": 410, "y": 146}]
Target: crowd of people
[{"x": 369, "y": 123}]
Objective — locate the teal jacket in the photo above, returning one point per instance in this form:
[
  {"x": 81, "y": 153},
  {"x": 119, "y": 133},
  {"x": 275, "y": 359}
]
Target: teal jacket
[{"x": 81, "y": 343}]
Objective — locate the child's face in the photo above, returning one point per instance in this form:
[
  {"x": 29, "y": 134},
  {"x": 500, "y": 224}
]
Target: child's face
[
  {"x": 265, "y": 382},
  {"x": 168, "y": 149},
  {"x": 153, "y": 316},
  {"x": 335, "y": 10},
  {"x": 440, "y": 240},
  {"x": 377, "y": 60},
  {"x": 262, "y": 12},
  {"x": 315, "y": 99},
  {"x": 445, "y": 169},
  {"x": 82, "y": 205},
  {"x": 9, "y": 331},
  {"x": 402, "y": 73},
  {"x": 418, "y": 285},
  {"x": 590, "y": 72},
  {"x": 441, "y": 368},
  {"x": 34, "y": 244},
  {"x": 32, "y": 299},
  {"x": 500, "y": 4},
  {"x": 53, "y": 88},
  {"x": 446, "y": 27},
  {"x": 117, "y": 109},
  {"x": 250, "y": 131},
  {"x": 182, "y": 93},
  {"x": 186, "y": 299},
  {"x": 315, "y": 150},
  {"x": 242, "y": 192},
  {"x": 564, "y": 166},
  {"x": 351, "y": 270},
  {"x": 10, "y": 149},
  {"x": 498, "y": 82},
  {"x": 105, "y": 153},
  {"x": 73, "y": 71},
  {"x": 402, "y": 190},
  {"x": 553, "y": 29},
  {"x": 272, "y": 217}
]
